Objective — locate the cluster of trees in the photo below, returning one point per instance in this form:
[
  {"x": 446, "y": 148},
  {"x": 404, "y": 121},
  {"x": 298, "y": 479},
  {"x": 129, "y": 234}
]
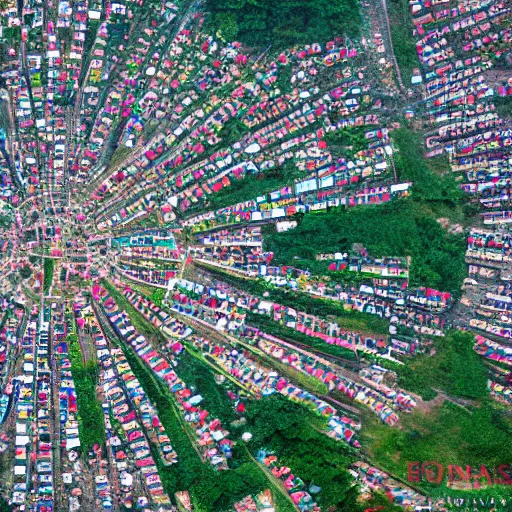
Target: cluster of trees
[
  {"x": 198, "y": 376},
  {"x": 25, "y": 272},
  {"x": 157, "y": 296},
  {"x": 4, "y": 506},
  {"x": 283, "y": 24},
  {"x": 430, "y": 184},
  {"x": 347, "y": 141},
  {"x": 404, "y": 45},
  {"x": 49, "y": 265},
  {"x": 233, "y": 130},
  {"x": 398, "y": 228},
  {"x": 393, "y": 229},
  {"x": 91, "y": 427},
  {"x": 503, "y": 105},
  {"x": 5, "y": 220},
  {"x": 294, "y": 435}
]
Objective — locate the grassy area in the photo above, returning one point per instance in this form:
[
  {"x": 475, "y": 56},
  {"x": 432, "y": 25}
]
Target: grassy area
[
  {"x": 473, "y": 432},
  {"x": 447, "y": 434},
  {"x": 503, "y": 106},
  {"x": 91, "y": 427},
  {"x": 404, "y": 45},
  {"x": 49, "y": 265},
  {"x": 454, "y": 368},
  {"x": 120, "y": 154},
  {"x": 4, "y": 116},
  {"x": 346, "y": 142},
  {"x": 154, "y": 294}
]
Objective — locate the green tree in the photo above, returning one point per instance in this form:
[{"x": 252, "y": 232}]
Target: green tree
[
  {"x": 4, "y": 506},
  {"x": 227, "y": 25},
  {"x": 25, "y": 272},
  {"x": 285, "y": 23},
  {"x": 288, "y": 429}
]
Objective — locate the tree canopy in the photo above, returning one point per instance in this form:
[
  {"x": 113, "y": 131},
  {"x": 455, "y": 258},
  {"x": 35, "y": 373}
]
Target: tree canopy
[
  {"x": 394, "y": 229},
  {"x": 285, "y": 23},
  {"x": 25, "y": 272},
  {"x": 291, "y": 432}
]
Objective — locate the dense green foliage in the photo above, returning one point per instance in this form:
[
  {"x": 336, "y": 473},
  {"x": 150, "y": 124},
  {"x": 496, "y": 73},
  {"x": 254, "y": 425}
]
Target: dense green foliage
[
  {"x": 157, "y": 296},
  {"x": 503, "y": 105},
  {"x": 25, "y": 272},
  {"x": 404, "y": 45},
  {"x": 5, "y": 222},
  {"x": 428, "y": 185},
  {"x": 288, "y": 429},
  {"x": 284, "y": 23},
  {"x": 233, "y": 130},
  {"x": 283, "y": 82},
  {"x": 200, "y": 378},
  {"x": 4, "y": 506},
  {"x": 49, "y": 265},
  {"x": 392, "y": 229},
  {"x": 455, "y": 368},
  {"x": 91, "y": 427}
]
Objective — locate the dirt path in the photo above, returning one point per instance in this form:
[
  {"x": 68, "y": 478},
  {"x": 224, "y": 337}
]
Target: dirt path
[{"x": 426, "y": 407}]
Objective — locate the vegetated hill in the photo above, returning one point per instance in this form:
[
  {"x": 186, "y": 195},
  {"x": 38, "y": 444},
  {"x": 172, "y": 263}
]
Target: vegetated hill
[{"x": 285, "y": 23}]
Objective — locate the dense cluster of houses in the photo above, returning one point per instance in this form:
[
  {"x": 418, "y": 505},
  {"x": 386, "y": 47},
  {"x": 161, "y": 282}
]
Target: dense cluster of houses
[
  {"x": 210, "y": 434},
  {"x": 295, "y": 487},
  {"x": 33, "y": 465},
  {"x": 383, "y": 288},
  {"x": 152, "y": 257},
  {"x": 134, "y": 109},
  {"x": 374, "y": 479},
  {"x": 226, "y": 306},
  {"x": 378, "y": 397}
]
